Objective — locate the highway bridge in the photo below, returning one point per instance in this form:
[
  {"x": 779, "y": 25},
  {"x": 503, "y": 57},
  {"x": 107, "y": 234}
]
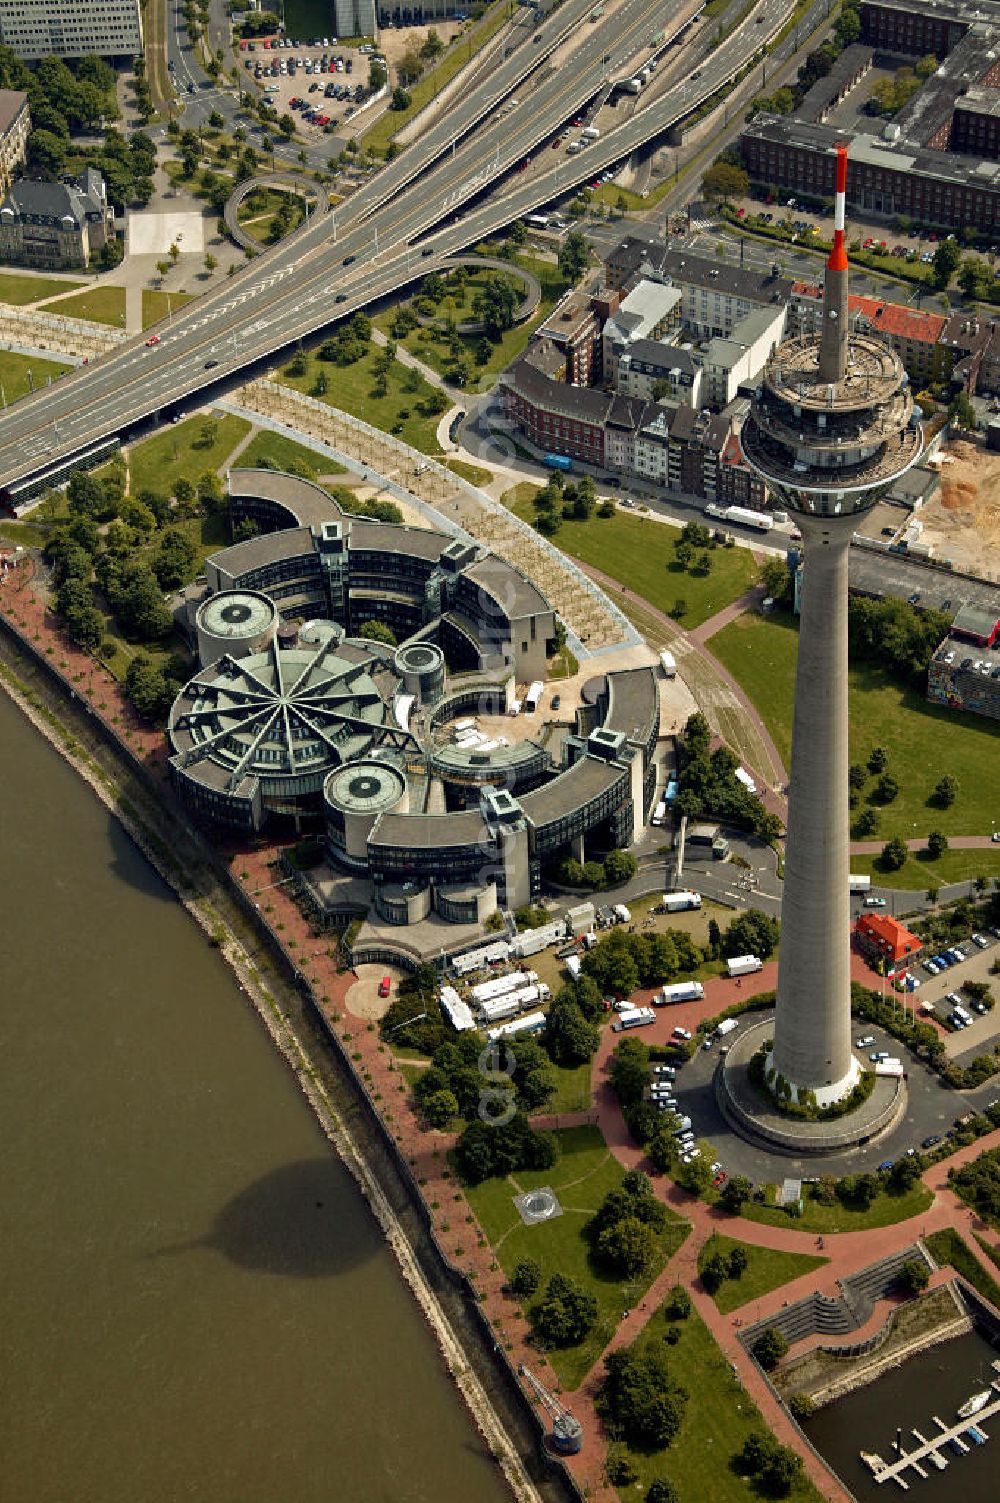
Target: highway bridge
[{"x": 450, "y": 189}]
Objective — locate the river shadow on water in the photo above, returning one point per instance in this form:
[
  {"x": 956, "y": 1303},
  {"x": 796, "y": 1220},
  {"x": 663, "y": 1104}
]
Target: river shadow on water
[
  {"x": 195, "y": 1300},
  {"x": 933, "y": 1383}
]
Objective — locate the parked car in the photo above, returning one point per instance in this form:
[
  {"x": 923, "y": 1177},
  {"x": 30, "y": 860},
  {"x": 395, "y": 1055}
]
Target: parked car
[{"x": 385, "y": 986}]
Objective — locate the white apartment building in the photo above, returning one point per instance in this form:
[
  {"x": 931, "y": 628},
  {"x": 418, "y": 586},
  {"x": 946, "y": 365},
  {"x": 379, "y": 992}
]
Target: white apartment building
[
  {"x": 728, "y": 362},
  {"x": 71, "y": 28},
  {"x": 647, "y": 313}
]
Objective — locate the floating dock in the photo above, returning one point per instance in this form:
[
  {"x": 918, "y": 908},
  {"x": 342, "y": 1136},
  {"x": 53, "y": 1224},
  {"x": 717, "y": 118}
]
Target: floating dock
[{"x": 956, "y": 1438}]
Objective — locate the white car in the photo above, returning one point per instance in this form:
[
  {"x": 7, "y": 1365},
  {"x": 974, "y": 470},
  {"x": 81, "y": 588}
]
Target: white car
[
  {"x": 682, "y": 1033},
  {"x": 865, "y": 1042}
]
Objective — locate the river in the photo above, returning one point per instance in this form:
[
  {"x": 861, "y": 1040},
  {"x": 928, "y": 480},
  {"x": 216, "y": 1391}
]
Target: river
[{"x": 195, "y": 1302}]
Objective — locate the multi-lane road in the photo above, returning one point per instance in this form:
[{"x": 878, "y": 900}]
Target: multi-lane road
[{"x": 398, "y": 226}]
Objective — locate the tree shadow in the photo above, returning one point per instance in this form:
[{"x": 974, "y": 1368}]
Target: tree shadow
[{"x": 292, "y": 1222}]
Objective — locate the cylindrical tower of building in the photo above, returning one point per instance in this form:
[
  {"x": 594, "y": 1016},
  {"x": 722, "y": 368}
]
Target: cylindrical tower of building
[
  {"x": 829, "y": 431},
  {"x": 237, "y": 622},
  {"x": 421, "y": 666}
]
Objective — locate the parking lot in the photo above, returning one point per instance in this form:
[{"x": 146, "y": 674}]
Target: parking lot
[
  {"x": 935, "y": 992},
  {"x": 326, "y": 81}
]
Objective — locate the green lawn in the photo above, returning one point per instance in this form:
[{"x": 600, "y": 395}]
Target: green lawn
[
  {"x": 718, "y": 1417},
  {"x": 473, "y": 473},
  {"x": 157, "y": 304},
  {"x": 102, "y": 305},
  {"x": 288, "y": 455},
  {"x": 922, "y": 740},
  {"x": 350, "y": 388},
  {"x": 920, "y": 873},
  {"x": 450, "y": 62},
  {"x": 573, "y": 1090},
  {"x": 178, "y": 452},
  {"x": 949, "y": 1247},
  {"x": 19, "y": 290},
  {"x": 767, "y": 1269},
  {"x": 582, "y": 1176},
  {"x": 639, "y": 553},
  {"x": 14, "y": 370},
  {"x": 885, "y": 1210}
]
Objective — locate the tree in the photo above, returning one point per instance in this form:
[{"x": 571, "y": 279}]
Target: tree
[
  {"x": 866, "y": 823},
  {"x": 211, "y": 262},
  {"x": 401, "y": 99},
  {"x": 937, "y": 844},
  {"x": 913, "y": 1277},
  {"x": 739, "y": 1261},
  {"x": 619, "y": 867},
  {"x": 877, "y": 760},
  {"x": 724, "y": 181},
  {"x": 734, "y": 1192},
  {"x": 574, "y": 255},
  {"x": 857, "y": 776},
  {"x": 569, "y": 1039},
  {"x": 630, "y": 1071},
  {"x": 714, "y": 1272},
  {"x": 496, "y": 305},
  {"x": 660, "y": 1490},
  {"x": 752, "y": 933},
  {"x": 775, "y": 578},
  {"x": 85, "y": 495},
  {"x": 945, "y": 792},
  {"x": 439, "y": 1108},
  {"x": 886, "y": 788},
  {"x": 138, "y": 603},
  {"x": 377, "y": 631},
  {"x": 847, "y": 27},
  {"x": 526, "y": 1277},
  {"x": 148, "y": 688},
  {"x": 640, "y": 1397},
  {"x": 46, "y": 156},
  {"x": 946, "y": 259},
  {"x": 962, "y": 412},
  {"x": 626, "y": 1247},
  {"x": 975, "y": 277},
  {"x": 173, "y": 559},
  {"x": 894, "y": 854},
  {"x": 769, "y": 1348},
  {"x": 776, "y": 1469},
  {"x": 433, "y": 44},
  {"x": 83, "y": 621},
  {"x": 565, "y": 1313}
]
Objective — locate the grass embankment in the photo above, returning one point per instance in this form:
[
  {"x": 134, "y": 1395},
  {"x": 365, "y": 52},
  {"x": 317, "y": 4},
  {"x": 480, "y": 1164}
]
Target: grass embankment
[
  {"x": 768, "y": 1268},
  {"x": 639, "y": 553},
  {"x": 473, "y": 473},
  {"x": 18, "y": 290},
  {"x": 584, "y": 1173},
  {"x": 14, "y": 370},
  {"x": 259, "y": 211},
  {"x": 948, "y": 1247},
  {"x": 287, "y": 454},
  {"x": 157, "y": 304},
  {"x": 573, "y": 1089},
  {"x": 886, "y": 1209},
  {"x": 450, "y": 62},
  {"x": 718, "y": 1418},
  {"x": 922, "y": 741},
  {"x": 101, "y": 305},
  {"x": 352, "y": 388},
  {"x": 184, "y": 451}
]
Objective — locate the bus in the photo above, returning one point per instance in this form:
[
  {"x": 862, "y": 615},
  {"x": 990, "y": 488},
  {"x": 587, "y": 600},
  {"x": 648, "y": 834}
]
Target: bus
[
  {"x": 533, "y": 697},
  {"x": 537, "y": 221}
]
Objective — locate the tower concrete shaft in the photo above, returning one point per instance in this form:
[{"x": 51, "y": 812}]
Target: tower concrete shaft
[{"x": 812, "y": 1032}]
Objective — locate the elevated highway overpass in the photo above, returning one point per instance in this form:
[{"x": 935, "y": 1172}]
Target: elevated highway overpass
[{"x": 332, "y": 267}]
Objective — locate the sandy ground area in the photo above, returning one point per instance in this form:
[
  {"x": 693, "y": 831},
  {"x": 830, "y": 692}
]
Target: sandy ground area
[
  {"x": 363, "y": 1000},
  {"x": 152, "y": 234},
  {"x": 963, "y": 520}
]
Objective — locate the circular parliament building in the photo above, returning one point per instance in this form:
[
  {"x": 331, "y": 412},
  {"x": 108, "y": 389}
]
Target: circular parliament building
[{"x": 300, "y": 711}]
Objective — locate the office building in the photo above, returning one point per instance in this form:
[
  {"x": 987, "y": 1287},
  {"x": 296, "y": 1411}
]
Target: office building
[{"x": 71, "y": 28}]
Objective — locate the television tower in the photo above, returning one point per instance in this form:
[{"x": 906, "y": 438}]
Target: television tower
[{"x": 830, "y": 429}]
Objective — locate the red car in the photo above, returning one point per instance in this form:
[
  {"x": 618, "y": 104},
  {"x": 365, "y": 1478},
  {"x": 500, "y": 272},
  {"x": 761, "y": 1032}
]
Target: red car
[
  {"x": 153, "y": 339},
  {"x": 720, "y": 1178},
  {"x": 384, "y": 986}
]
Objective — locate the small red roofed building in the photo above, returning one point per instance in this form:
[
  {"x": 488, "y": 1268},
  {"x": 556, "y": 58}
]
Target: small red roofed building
[{"x": 880, "y": 937}]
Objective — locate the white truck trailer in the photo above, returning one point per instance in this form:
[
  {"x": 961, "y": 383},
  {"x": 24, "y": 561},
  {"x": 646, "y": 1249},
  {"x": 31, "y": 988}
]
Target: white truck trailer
[
  {"x": 744, "y": 965},
  {"x": 633, "y": 1017},
  {"x": 680, "y": 902},
  {"x": 679, "y": 991}
]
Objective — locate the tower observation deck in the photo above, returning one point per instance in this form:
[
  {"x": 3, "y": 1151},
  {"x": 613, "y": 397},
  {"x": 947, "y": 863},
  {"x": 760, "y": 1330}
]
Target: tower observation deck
[{"x": 831, "y": 428}]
